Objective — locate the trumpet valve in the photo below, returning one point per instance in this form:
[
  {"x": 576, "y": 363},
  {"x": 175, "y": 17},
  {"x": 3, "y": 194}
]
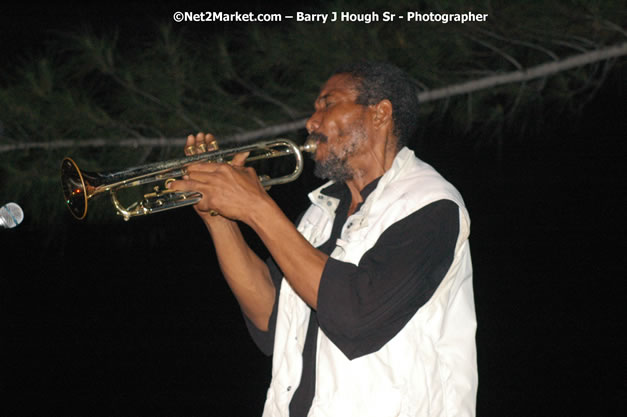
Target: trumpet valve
[
  {"x": 207, "y": 147},
  {"x": 212, "y": 146},
  {"x": 202, "y": 148}
]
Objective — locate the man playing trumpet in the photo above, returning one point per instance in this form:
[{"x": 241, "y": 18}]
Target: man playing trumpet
[{"x": 367, "y": 304}]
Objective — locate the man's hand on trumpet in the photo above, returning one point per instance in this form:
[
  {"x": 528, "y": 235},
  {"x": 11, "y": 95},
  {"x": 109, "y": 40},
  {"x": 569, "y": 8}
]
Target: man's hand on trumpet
[{"x": 230, "y": 189}]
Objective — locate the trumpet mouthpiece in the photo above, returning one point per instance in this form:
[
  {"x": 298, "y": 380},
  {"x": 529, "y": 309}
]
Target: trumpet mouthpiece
[{"x": 309, "y": 146}]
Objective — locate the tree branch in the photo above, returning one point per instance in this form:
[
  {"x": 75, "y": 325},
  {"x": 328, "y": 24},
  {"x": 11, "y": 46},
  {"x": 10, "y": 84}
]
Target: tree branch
[{"x": 539, "y": 71}]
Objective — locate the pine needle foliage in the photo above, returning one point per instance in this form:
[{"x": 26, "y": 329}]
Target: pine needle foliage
[{"x": 235, "y": 78}]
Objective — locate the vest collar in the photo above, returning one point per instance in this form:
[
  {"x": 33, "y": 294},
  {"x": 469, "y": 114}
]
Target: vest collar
[
  {"x": 331, "y": 190},
  {"x": 327, "y": 195}
]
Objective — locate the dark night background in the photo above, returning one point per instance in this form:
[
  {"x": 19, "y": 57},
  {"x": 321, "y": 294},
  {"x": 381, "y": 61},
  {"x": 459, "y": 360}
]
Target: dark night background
[{"x": 120, "y": 320}]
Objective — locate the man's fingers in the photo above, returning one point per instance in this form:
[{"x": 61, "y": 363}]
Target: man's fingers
[
  {"x": 190, "y": 145},
  {"x": 185, "y": 185},
  {"x": 200, "y": 143},
  {"x": 239, "y": 159}
]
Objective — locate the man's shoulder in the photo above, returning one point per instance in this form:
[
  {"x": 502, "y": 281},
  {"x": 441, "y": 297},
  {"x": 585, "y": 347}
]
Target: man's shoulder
[
  {"x": 417, "y": 179},
  {"x": 415, "y": 184}
]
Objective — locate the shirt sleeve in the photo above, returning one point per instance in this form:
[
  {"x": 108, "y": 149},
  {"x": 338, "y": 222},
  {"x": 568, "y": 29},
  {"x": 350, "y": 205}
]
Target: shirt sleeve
[
  {"x": 362, "y": 307},
  {"x": 265, "y": 339}
]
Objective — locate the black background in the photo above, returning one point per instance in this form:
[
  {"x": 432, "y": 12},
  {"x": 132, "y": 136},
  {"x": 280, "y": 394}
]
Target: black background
[{"x": 118, "y": 320}]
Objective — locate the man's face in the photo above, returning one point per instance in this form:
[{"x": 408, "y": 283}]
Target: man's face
[{"x": 338, "y": 125}]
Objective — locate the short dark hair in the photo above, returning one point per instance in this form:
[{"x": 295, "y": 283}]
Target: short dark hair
[{"x": 376, "y": 81}]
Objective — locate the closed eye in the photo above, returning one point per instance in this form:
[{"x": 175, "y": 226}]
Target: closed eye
[{"x": 325, "y": 101}]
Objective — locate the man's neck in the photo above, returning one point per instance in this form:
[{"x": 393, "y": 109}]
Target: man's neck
[
  {"x": 370, "y": 165},
  {"x": 357, "y": 184}
]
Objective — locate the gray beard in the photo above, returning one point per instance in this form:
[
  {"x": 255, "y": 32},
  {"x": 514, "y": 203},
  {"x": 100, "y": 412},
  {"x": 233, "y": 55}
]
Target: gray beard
[
  {"x": 333, "y": 168},
  {"x": 336, "y": 167}
]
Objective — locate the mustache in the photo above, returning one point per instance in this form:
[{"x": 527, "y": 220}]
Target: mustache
[{"x": 319, "y": 137}]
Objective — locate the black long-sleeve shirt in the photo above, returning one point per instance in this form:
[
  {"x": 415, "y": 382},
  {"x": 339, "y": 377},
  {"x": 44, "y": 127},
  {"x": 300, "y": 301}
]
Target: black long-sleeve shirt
[{"x": 361, "y": 307}]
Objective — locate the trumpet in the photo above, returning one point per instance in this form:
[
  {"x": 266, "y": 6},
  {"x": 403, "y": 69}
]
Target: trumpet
[{"x": 80, "y": 186}]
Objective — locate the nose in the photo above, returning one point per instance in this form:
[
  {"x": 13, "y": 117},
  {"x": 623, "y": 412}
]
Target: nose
[{"x": 313, "y": 122}]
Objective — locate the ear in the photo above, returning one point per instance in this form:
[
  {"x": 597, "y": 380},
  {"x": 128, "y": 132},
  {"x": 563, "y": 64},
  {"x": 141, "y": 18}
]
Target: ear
[{"x": 382, "y": 113}]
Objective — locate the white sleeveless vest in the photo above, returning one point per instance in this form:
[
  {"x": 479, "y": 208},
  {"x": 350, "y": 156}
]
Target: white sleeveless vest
[{"x": 429, "y": 368}]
